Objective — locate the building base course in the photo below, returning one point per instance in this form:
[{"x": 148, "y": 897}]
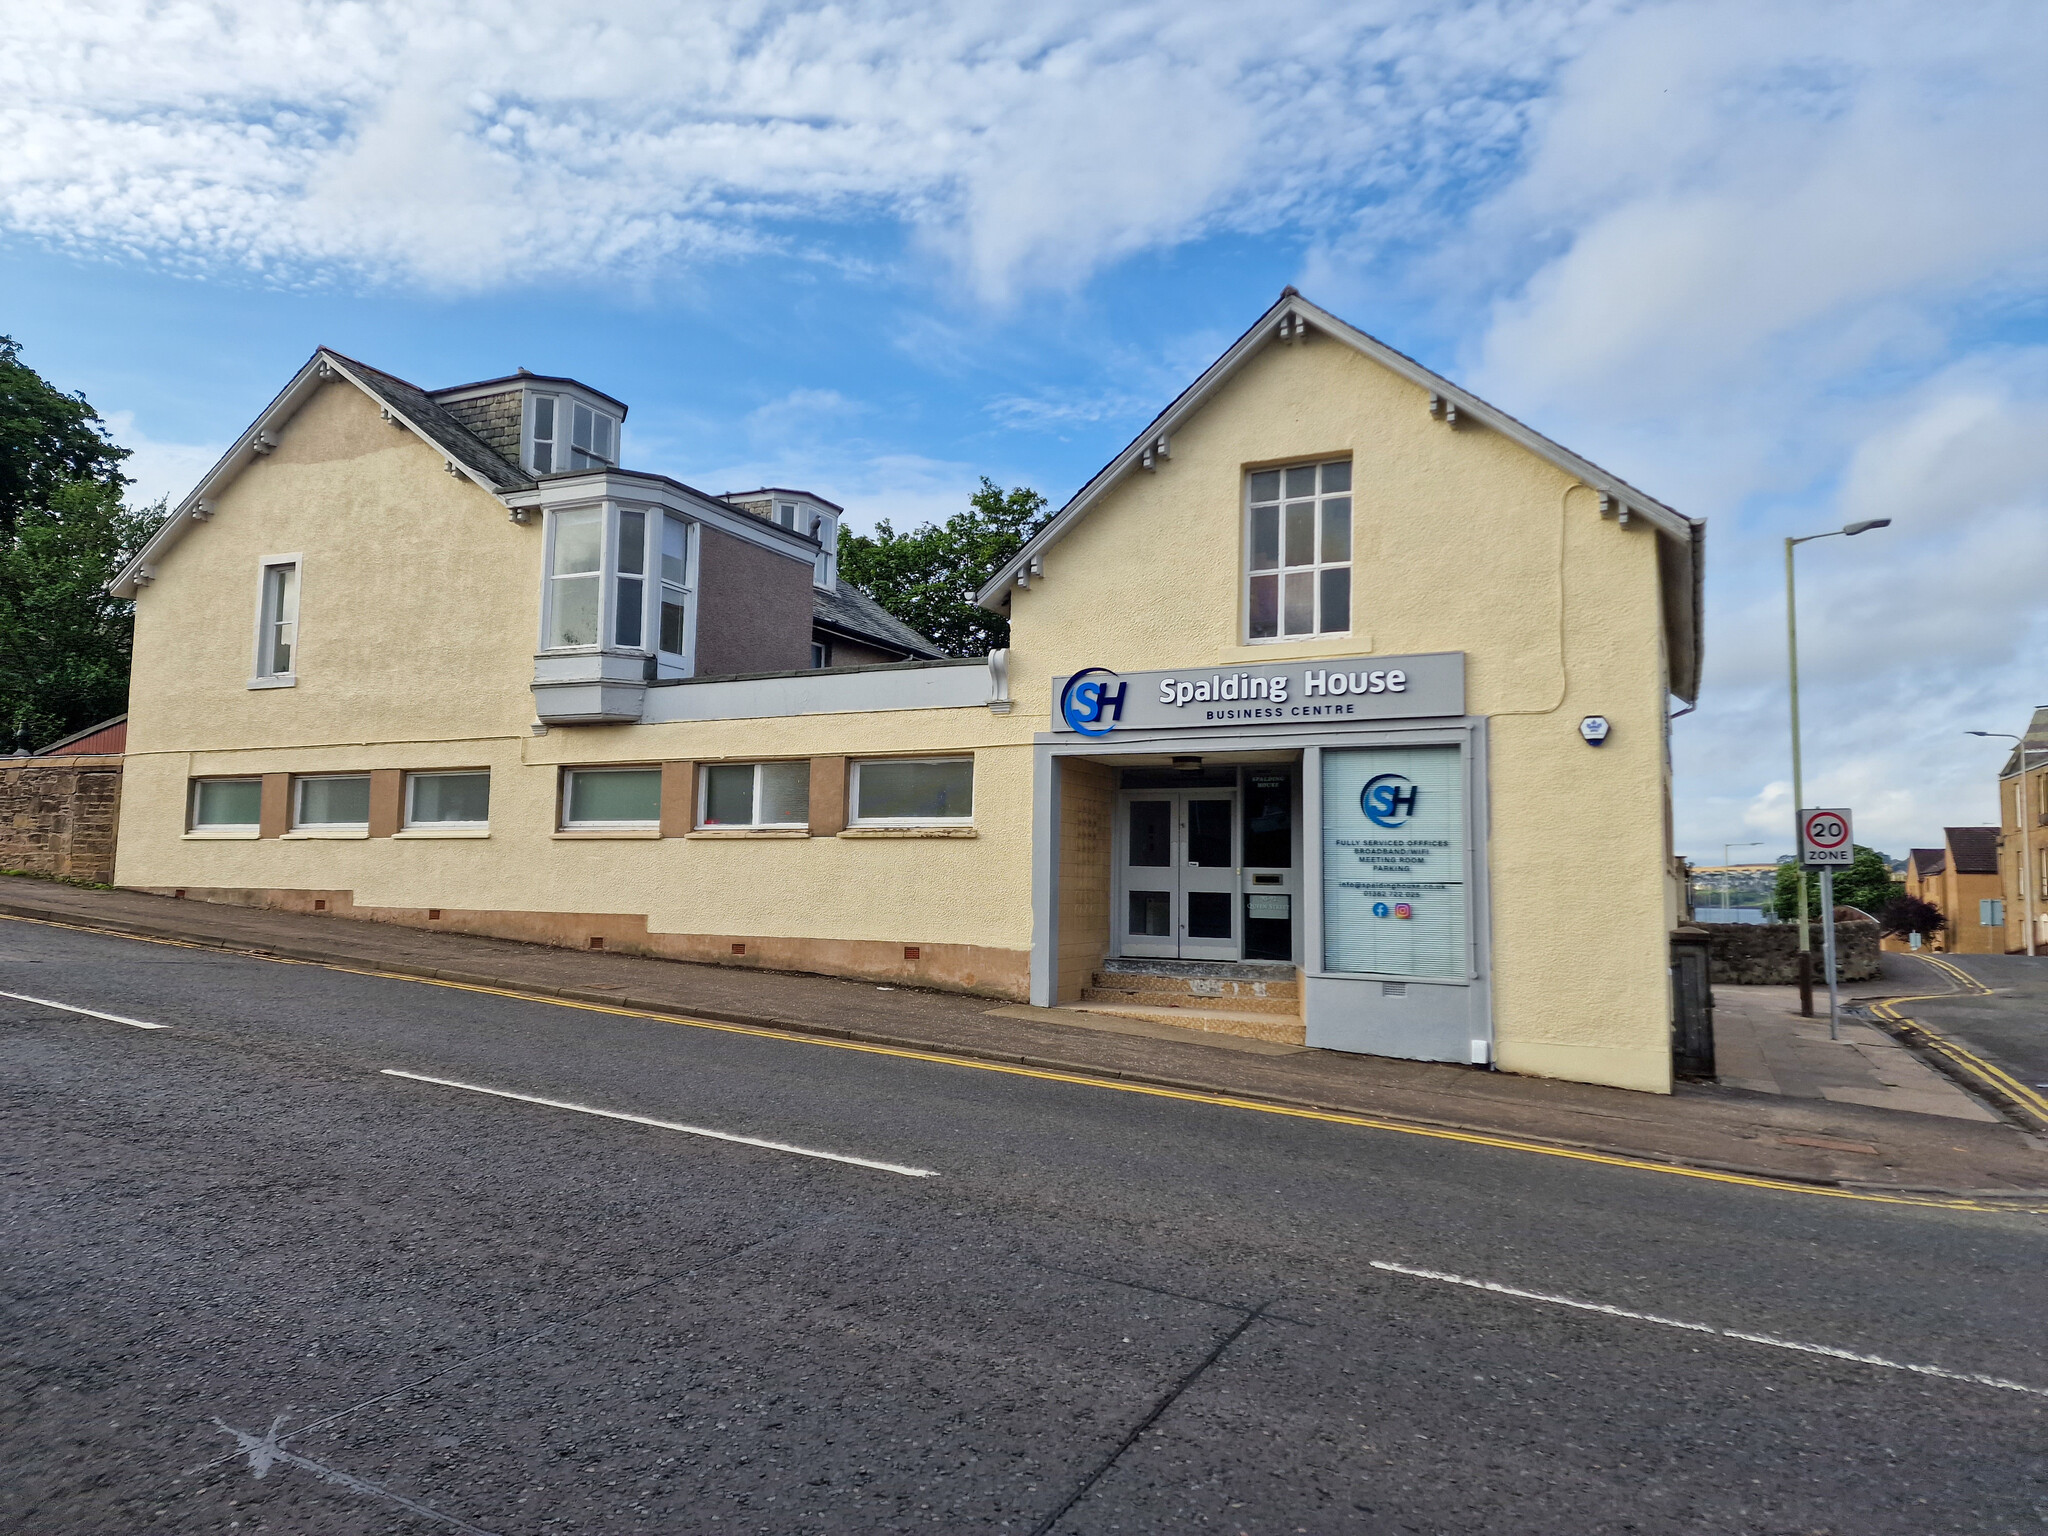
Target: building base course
[{"x": 975, "y": 969}]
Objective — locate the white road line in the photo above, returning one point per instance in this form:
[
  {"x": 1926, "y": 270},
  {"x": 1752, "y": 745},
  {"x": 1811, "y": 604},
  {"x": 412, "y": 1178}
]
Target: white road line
[
  {"x": 670, "y": 1125},
  {"x": 1972, "y": 1377},
  {"x": 90, "y": 1013}
]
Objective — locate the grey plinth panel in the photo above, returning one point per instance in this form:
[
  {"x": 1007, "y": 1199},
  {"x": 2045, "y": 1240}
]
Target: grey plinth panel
[{"x": 589, "y": 687}]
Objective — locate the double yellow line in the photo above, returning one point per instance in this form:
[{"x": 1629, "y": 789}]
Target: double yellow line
[
  {"x": 2021, "y": 1206},
  {"x": 1991, "y": 1076}
]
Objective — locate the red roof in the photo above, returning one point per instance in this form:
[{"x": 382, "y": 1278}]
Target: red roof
[{"x": 109, "y": 736}]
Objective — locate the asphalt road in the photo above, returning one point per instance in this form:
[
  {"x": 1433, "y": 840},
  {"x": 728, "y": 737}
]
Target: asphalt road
[
  {"x": 2009, "y": 1027},
  {"x": 255, "y": 1283}
]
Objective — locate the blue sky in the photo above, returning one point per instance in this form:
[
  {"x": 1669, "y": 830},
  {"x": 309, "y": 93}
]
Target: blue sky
[{"x": 1781, "y": 266}]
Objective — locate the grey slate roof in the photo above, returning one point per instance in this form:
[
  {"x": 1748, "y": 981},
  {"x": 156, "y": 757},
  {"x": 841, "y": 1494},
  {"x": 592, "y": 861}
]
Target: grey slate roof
[
  {"x": 1975, "y": 849},
  {"x": 848, "y": 608},
  {"x": 449, "y": 435},
  {"x": 1928, "y": 861},
  {"x": 2035, "y": 745}
]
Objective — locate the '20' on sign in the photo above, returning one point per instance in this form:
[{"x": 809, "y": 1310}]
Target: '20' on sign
[{"x": 1825, "y": 841}]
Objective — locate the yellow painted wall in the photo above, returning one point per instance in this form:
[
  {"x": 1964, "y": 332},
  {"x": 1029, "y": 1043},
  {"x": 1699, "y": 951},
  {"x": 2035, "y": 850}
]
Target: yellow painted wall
[
  {"x": 419, "y": 612},
  {"x": 1463, "y": 541},
  {"x": 418, "y": 619}
]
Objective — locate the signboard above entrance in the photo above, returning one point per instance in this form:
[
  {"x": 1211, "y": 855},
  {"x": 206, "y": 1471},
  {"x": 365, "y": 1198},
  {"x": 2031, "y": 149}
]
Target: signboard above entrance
[{"x": 1098, "y": 702}]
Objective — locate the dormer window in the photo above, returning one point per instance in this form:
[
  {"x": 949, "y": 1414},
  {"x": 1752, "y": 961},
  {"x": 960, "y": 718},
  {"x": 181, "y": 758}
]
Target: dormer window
[
  {"x": 565, "y": 434},
  {"x": 789, "y": 515}
]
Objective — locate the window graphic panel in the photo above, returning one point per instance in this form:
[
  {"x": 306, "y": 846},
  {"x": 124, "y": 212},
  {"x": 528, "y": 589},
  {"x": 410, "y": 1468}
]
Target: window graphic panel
[{"x": 1394, "y": 839}]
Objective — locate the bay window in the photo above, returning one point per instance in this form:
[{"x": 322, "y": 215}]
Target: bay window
[
  {"x": 564, "y": 434},
  {"x": 620, "y": 577}
]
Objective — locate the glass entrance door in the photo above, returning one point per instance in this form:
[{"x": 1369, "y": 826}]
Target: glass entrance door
[{"x": 1179, "y": 868}]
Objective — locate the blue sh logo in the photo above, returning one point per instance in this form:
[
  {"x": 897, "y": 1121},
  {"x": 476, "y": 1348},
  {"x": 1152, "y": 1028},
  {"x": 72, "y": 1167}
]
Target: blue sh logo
[
  {"x": 1388, "y": 799},
  {"x": 1089, "y": 704}
]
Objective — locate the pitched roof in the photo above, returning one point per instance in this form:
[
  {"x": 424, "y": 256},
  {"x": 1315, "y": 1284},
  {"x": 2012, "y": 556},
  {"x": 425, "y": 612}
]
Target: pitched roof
[
  {"x": 1928, "y": 861},
  {"x": 1293, "y": 316},
  {"x": 1974, "y": 849},
  {"x": 2035, "y": 744},
  {"x": 848, "y": 608},
  {"x": 58, "y": 746},
  {"x": 436, "y": 423},
  {"x": 408, "y": 408}
]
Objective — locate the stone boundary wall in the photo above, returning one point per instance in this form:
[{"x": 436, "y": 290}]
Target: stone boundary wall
[
  {"x": 58, "y": 815},
  {"x": 1766, "y": 954}
]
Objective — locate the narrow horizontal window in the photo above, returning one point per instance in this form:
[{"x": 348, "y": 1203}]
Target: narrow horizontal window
[
  {"x": 331, "y": 800},
  {"x": 220, "y": 805},
  {"x": 595, "y": 799},
  {"x": 756, "y": 795},
  {"x": 911, "y": 791},
  {"x": 447, "y": 799}
]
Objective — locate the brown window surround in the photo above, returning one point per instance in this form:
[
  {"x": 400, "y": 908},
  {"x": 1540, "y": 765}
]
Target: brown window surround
[
  {"x": 276, "y": 815},
  {"x": 387, "y": 794},
  {"x": 828, "y": 796},
  {"x": 678, "y": 799}
]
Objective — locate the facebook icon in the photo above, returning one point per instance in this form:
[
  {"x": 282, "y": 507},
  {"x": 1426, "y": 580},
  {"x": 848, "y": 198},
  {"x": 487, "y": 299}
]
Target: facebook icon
[{"x": 1090, "y": 705}]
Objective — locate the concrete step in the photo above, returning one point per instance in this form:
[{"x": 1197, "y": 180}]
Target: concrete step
[
  {"x": 1246, "y": 1025},
  {"x": 1159, "y": 997},
  {"x": 1211, "y": 988}
]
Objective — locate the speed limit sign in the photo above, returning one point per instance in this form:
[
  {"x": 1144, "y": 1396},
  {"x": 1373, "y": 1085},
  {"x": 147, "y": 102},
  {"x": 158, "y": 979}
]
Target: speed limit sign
[{"x": 1824, "y": 840}]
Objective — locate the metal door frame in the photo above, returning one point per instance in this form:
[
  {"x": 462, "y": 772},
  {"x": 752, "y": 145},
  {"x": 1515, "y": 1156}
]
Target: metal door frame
[{"x": 1175, "y": 946}]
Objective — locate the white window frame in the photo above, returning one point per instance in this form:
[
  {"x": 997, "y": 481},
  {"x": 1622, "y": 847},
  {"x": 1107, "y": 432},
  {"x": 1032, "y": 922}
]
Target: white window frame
[
  {"x": 825, "y": 571},
  {"x": 194, "y": 827},
  {"x": 1314, "y": 570},
  {"x": 261, "y": 676},
  {"x": 565, "y": 788},
  {"x": 439, "y": 828},
  {"x": 609, "y": 577},
  {"x": 532, "y": 434},
  {"x": 303, "y": 828},
  {"x": 579, "y": 456},
  {"x": 855, "y": 819},
  {"x": 756, "y": 824}
]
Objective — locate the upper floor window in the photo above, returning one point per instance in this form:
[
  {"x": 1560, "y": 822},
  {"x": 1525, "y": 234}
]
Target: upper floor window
[
  {"x": 620, "y": 576},
  {"x": 567, "y": 434},
  {"x": 1298, "y": 551},
  {"x": 277, "y": 621}
]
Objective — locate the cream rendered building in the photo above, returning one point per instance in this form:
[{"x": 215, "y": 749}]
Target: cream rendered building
[{"x": 1338, "y": 688}]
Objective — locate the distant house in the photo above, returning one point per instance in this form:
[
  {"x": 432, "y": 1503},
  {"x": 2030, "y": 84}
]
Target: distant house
[
  {"x": 1961, "y": 878},
  {"x": 2023, "y": 835}
]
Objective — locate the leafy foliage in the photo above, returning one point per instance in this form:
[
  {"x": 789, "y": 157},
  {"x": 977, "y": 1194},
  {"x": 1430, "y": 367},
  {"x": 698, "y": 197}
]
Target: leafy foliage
[
  {"x": 927, "y": 577},
  {"x": 1866, "y": 884},
  {"x": 47, "y": 439},
  {"x": 1906, "y": 915},
  {"x": 64, "y": 533}
]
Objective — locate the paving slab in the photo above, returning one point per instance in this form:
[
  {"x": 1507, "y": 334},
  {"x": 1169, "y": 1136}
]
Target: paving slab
[{"x": 1769, "y": 1134}]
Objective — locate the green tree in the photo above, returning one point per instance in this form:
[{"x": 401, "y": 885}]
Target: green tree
[
  {"x": 64, "y": 533},
  {"x": 927, "y": 577},
  {"x": 1866, "y": 884},
  {"x": 47, "y": 439}
]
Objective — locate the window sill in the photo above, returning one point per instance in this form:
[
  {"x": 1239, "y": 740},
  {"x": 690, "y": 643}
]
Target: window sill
[
  {"x": 282, "y": 680},
  {"x": 442, "y": 832},
  {"x": 224, "y": 835},
  {"x": 325, "y": 834},
  {"x": 804, "y": 832},
  {"x": 910, "y": 832},
  {"x": 585, "y": 834}
]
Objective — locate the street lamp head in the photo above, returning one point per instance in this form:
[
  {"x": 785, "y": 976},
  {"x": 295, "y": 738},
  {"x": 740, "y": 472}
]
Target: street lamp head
[{"x": 1864, "y": 527}]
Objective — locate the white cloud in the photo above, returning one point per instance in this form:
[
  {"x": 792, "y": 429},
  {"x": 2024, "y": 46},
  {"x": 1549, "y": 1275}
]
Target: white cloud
[{"x": 464, "y": 148}]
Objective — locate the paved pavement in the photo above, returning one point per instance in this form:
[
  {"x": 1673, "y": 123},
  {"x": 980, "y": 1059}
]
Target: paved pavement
[
  {"x": 257, "y": 1282},
  {"x": 1730, "y": 1129},
  {"x": 1763, "y": 1043},
  {"x": 1996, "y": 1011}
]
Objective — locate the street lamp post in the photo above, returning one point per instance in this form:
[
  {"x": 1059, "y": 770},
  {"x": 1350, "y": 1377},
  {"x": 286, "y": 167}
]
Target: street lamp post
[
  {"x": 2026, "y": 837},
  {"x": 1727, "y": 875},
  {"x": 1792, "y": 652}
]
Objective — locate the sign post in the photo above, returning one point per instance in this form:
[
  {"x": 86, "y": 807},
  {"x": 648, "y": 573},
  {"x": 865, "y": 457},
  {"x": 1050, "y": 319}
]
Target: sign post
[{"x": 1826, "y": 844}]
